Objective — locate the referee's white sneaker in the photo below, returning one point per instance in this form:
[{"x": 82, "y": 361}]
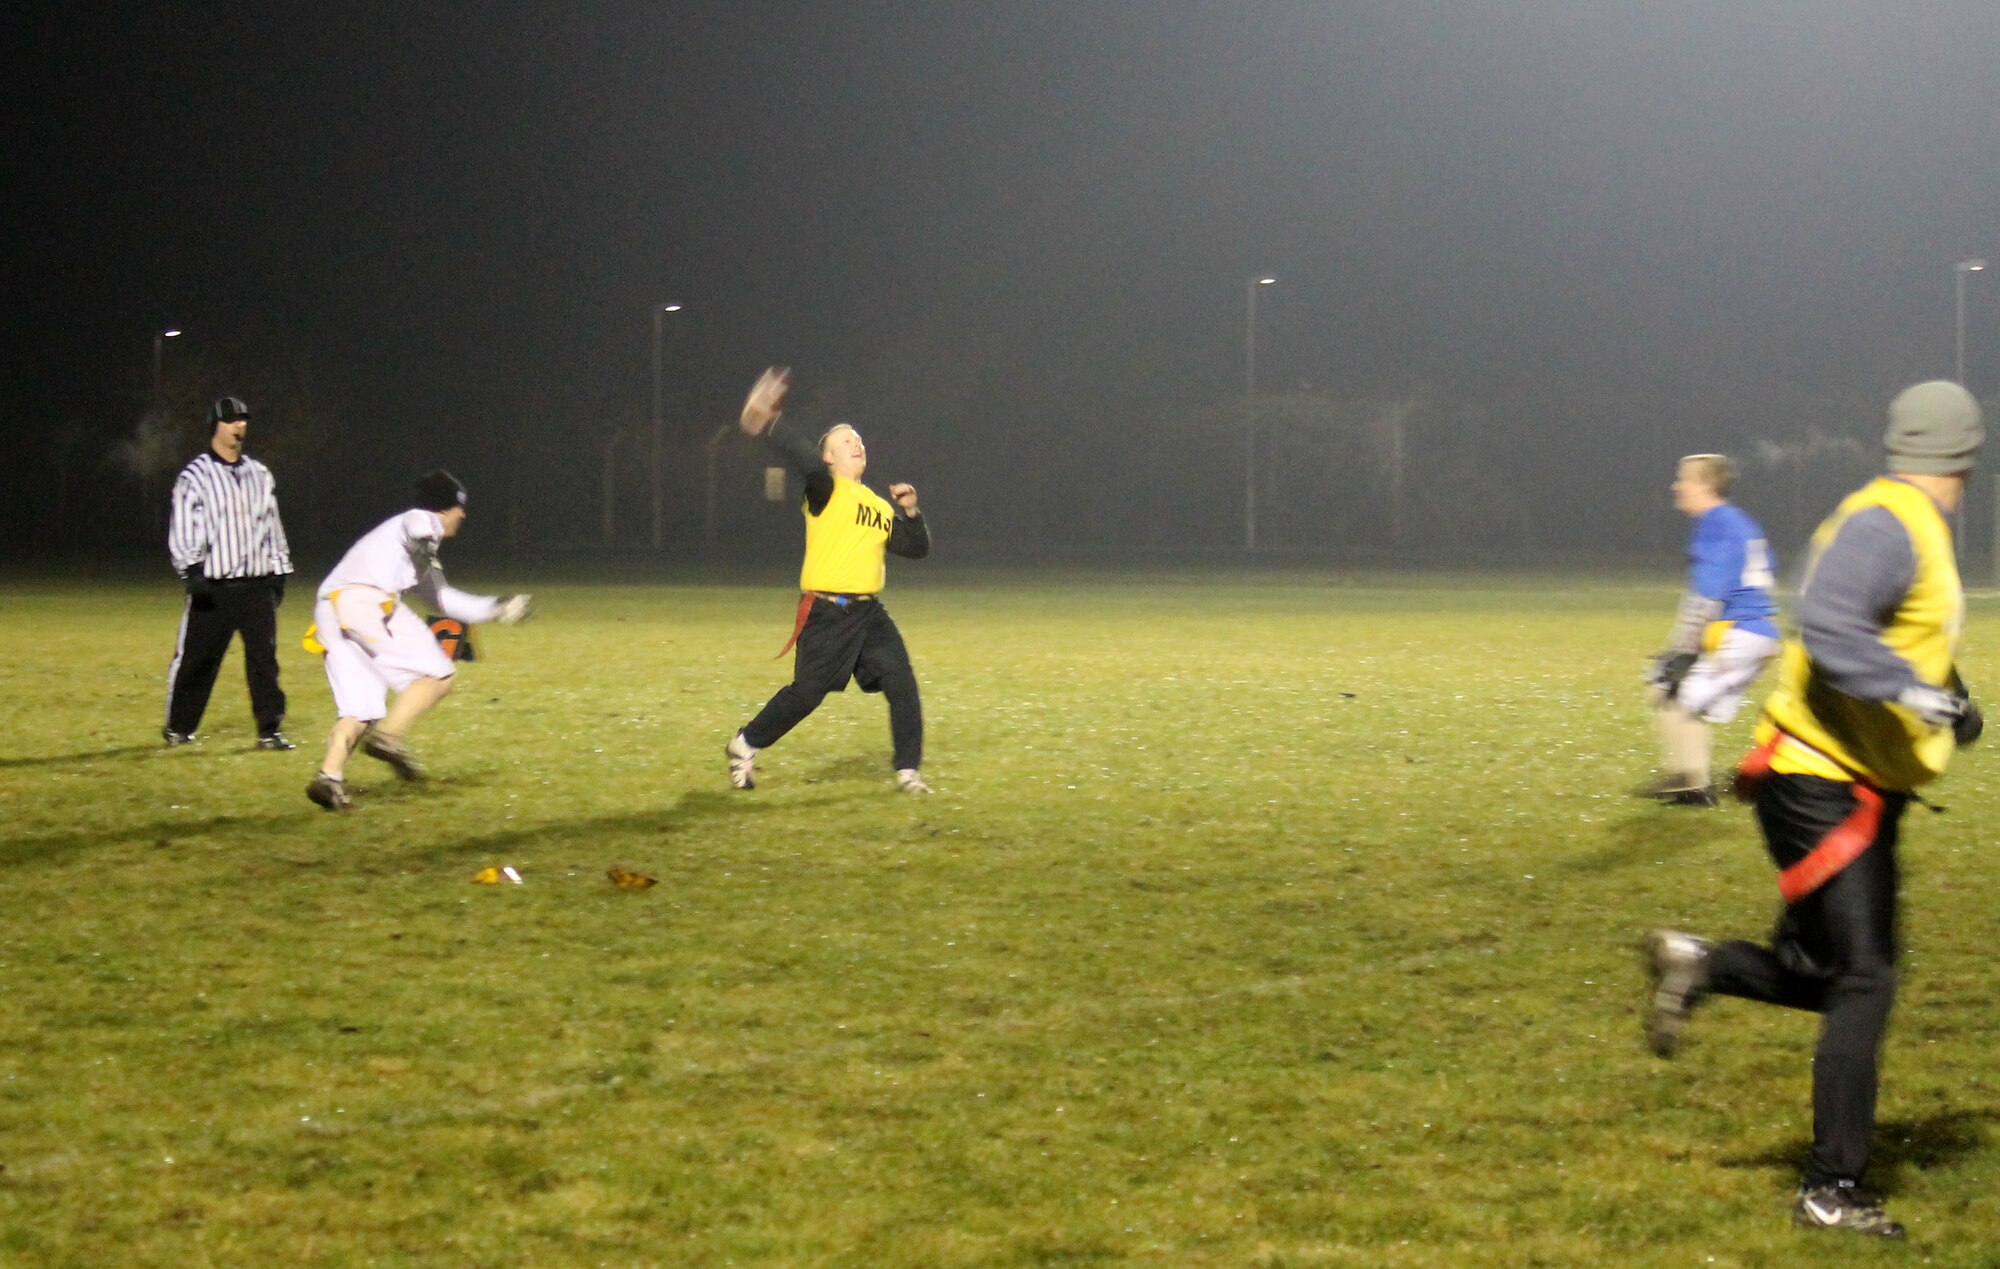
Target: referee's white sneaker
[
  {"x": 742, "y": 762},
  {"x": 909, "y": 780}
]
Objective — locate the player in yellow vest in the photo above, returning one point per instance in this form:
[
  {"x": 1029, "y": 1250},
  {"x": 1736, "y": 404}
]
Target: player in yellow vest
[
  {"x": 1869, "y": 707},
  {"x": 843, "y": 632}
]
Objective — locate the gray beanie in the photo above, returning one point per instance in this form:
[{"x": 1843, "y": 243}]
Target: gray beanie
[{"x": 1934, "y": 430}]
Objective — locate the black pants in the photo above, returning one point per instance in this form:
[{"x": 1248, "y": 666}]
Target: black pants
[
  {"x": 248, "y": 608},
  {"x": 858, "y": 641},
  {"x": 1833, "y": 952}
]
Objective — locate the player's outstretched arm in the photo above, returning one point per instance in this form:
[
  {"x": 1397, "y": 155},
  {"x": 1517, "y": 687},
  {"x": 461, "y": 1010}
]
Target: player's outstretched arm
[{"x": 766, "y": 401}]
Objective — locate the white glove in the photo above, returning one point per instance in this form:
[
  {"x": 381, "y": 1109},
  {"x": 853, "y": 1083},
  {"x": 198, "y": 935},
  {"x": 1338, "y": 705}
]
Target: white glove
[
  {"x": 515, "y": 608},
  {"x": 1933, "y": 705}
]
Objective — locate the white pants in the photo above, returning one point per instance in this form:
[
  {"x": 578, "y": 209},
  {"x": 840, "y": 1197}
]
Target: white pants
[
  {"x": 1714, "y": 688},
  {"x": 369, "y": 655}
]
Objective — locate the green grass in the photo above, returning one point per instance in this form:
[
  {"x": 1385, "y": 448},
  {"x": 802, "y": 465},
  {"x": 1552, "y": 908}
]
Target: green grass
[{"x": 1281, "y": 923}]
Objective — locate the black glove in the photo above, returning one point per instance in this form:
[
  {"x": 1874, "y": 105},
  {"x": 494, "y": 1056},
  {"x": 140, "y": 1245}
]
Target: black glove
[
  {"x": 278, "y": 590},
  {"x": 1669, "y": 668},
  {"x": 1968, "y": 725}
]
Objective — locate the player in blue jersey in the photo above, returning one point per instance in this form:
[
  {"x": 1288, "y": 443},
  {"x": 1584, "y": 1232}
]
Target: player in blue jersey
[{"x": 1723, "y": 634}]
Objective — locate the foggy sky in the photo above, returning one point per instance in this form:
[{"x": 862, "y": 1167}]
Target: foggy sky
[{"x": 449, "y": 207}]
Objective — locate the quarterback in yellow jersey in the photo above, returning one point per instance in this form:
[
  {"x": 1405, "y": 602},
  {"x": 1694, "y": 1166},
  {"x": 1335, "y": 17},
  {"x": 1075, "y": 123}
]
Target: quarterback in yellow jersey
[
  {"x": 1869, "y": 707},
  {"x": 842, "y": 630}
]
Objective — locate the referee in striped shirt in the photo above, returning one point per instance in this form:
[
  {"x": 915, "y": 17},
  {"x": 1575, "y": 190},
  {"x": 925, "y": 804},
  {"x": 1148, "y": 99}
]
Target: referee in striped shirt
[{"x": 228, "y": 545}]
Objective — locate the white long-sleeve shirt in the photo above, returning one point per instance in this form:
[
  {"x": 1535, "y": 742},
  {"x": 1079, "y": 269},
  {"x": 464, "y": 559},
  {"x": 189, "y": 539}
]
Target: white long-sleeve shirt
[{"x": 400, "y": 554}]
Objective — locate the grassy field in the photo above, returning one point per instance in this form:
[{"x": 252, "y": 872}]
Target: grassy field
[{"x": 1284, "y": 922}]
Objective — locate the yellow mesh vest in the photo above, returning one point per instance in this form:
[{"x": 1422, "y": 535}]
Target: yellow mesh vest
[
  {"x": 845, "y": 543},
  {"x": 1885, "y": 743}
]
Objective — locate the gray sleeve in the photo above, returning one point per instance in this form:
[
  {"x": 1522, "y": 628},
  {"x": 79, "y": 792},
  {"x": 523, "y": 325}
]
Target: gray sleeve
[{"x": 1855, "y": 586}]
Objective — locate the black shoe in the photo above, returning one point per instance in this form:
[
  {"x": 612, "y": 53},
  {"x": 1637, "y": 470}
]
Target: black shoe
[
  {"x": 276, "y": 740},
  {"x": 1660, "y": 787},
  {"x": 392, "y": 751},
  {"x": 1668, "y": 786},
  {"x": 329, "y": 793},
  {"x": 175, "y": 739},
  {"x": 1678, "y": 966},
  {"x": 1839, "y": 1205},
  {"x": 1704, "y": 797}
]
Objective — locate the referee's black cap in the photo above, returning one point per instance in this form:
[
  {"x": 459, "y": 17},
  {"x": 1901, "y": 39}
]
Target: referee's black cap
[
  {"x": 439, "y": 491},
  {"x": 227, "y": 410}
]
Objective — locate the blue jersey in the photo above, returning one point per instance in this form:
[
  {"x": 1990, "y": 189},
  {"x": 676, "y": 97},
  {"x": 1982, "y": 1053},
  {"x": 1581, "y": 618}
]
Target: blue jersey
[{"x": 1728, "y": 560}]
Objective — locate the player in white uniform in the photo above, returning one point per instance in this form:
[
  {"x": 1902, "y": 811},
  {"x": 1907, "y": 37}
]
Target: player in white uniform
[{"x": 375, "y": 645}]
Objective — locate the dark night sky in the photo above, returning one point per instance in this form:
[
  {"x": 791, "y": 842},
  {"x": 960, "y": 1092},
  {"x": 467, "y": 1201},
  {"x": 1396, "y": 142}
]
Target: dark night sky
[{"x": 451, "y": 207}]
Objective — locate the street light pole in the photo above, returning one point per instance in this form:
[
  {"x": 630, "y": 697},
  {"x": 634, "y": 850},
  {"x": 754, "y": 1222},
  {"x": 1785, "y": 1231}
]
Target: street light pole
[
  {"x": 1250, "y": 410},
  {"x": 160, "y": 338},
  {"x": 1962, "y": 268},
  {"x": 656, "y": 462}
]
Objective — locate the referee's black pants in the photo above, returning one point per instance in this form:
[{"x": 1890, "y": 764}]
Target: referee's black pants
[
  {"x": 1833, "y": 952},
  {"x": 248, "y": 608}
]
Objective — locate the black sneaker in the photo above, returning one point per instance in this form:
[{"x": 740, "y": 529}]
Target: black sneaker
[
  {"x": 391, "y": 750},
  {"x": 1664, "y": 787},
  {"x": 276, "y": 740},
  {"x": 1692, "y": 797},
  {"x": 1839, "y": 1205},
  {"x": 175, "y": 739},
  {"x": 329, "y": 793},
  {"x": 1678, "y": 966}
]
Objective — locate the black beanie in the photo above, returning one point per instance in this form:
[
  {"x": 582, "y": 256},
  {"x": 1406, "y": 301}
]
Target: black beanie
[{"x": 439, "y": 491}]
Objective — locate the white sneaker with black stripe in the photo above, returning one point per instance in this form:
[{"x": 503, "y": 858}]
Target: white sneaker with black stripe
[{"x": 909, "y": 780}]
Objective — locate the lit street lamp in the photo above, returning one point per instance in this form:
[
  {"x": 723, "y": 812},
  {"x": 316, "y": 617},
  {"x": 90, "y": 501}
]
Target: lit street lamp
[
  {"x": 160, "y": 338},
  {"x": 1962, "y": 268},
  {"x": 1250, "y": 410},
  {"x": 656, "y": 464}
]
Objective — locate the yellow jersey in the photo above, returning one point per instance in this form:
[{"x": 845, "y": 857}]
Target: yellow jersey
[
  {"x": 846, "y": 541},
  {"x": 1824, "y": 732}
]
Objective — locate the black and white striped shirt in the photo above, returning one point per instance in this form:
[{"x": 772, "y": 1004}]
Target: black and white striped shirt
[{"x": 225, "y": 520}]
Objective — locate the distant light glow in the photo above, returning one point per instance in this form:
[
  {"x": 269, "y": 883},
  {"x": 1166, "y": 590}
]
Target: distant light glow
[
  {"x": 1265, "y": 281},
  {"x": 1971, "y": 266},
  {"x": 168, "y": 334},
  {"x": 670, "y": 308}
]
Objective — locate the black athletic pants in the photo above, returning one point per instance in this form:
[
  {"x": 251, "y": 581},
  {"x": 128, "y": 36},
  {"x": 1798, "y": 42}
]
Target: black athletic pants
[
  {"x": 840, "y": 641},
  {"x": 208, "y": 621},
  {"x": 1833, "y": 952}
]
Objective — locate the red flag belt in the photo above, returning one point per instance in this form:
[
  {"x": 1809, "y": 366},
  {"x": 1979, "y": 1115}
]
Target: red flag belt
[
  {"x": 1842, "y": 845},
  {"x": 1837, "y": 849},
  {"x": 798, "y": 622}
]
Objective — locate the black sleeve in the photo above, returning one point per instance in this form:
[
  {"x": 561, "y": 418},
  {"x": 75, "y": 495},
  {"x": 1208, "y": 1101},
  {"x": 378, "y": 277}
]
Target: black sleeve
[
  {"x": 909, "y": 537},
  {"x": 801, "y": 456}
]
